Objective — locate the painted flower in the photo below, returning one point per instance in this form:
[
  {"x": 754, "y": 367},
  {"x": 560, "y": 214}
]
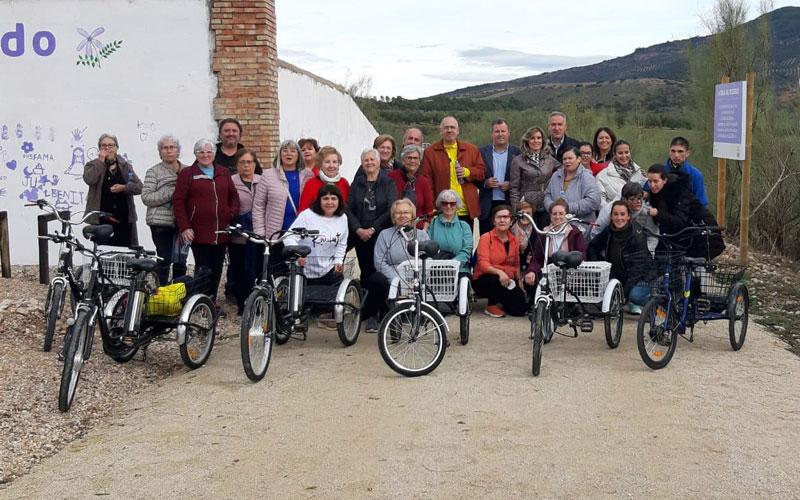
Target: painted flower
[
  {"x": 27, "y": 147},
  {"x": 90, "y": 43}
]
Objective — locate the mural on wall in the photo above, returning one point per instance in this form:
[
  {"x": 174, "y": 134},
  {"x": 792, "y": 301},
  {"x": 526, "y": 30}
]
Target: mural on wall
[{"x": 93, "y": 49}]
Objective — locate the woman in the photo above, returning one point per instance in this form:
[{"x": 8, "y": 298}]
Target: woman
[
  {"x": 324, "y": 264},
  {"x": 371, "y": 197},
  {"x": 571, "y": 240},
  {"x": 309, "y": 150},
  {"x": 624, "y": 245},
  {"x": 497, "y": 269},
  {"x": 415, "y": 187},
  {"x": 620, "y": 170},
  {"x": 633, "y": 194},
  {"x": 451, "y": 233},
  {"x": 531, "y": 170},
  {"x": 576, "y": 185},
  {"x": 245, "y": 257},
  {"x": 159, "y": 186},
  {"x": 112, "y": 186},
  {"x": 522, "y": 231},
  {"x": 391, "y": 250},
  {"x": 386, "y": 148},
  {"x": 586, "y": 154},
  {"x": 604, "y": 139},
  {"x": 205, "y": 201},
  {"x": 276, "y": 200},
  {"x": 330, "y": 160}
]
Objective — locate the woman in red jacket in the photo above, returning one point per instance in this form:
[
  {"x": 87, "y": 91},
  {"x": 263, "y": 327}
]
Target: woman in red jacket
[
  {"x": 329, "y": 160},
  {"x": 205, "y": 201},
  {"x": 497, "y": 271},
  {"x": 411, "y": 185}
]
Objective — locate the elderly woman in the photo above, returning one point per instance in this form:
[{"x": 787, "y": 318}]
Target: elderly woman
[
  {"x": 309, "y": 150},
  {"x": 277, "y": 198},
  {"x": 330, "y": 160},
  {"x": 112, "y": 186},
  {"x": 575, "y": 185},
  {"x": 531, "y": 170},
  {"x": 621, "y": 170},
  {"x": 245, "y": 257},
  {"x": 410, "y": 185},
  {"x": 497, "y": 268},
  {"x": 159, "y": 186},
  {"x": 371, "y": 196},
  {"x": 387, "y": 148},
  {"x": 571, "y": 240},
  {"x": 391, "y": 250},
  {"x": 451, "y": 233},
  {"x": 604, "y": 139},
  {"x": 205, "y": 201}
]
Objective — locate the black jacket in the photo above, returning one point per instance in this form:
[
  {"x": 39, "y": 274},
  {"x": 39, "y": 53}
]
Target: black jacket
[
  {"x": 635, "y": 255},
  {"x": 567, "y": 143},
  {"x": 385, "y": 195}
]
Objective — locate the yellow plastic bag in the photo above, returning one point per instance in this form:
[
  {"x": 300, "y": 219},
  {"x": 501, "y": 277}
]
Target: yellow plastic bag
[{"x": 166, "y": 301}]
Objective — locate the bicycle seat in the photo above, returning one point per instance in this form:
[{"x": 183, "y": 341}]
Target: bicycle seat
[
  {"x": 427, "y": 248},
  {"x": 142, "y": 264},
  {"x": 295, "y": 251},
  {"x": 570, "y": 260},
  {"x": 695, "y": 261},
  {"x": 99, "y": 233}
]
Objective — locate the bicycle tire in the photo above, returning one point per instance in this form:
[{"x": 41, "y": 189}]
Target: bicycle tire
[
  {"x": 738, "y": 314},
  {"x": 73, "y": 360},
  {"x": 350, "y": 326},
  {"x": 540, "y": 318},
  {"x": 283, "y": 318},
  {"x": 200, "y": 333},
  {"x": 399, "y": 350},
  {"x": 257, "y": 334},
  {"x": 116, "y": 346},
  {"x": 655, "y": 342},
  {"x": 613, "y": 321},
  {"x": 463, "y": 321},
  {"x": 55, "y": 306}
]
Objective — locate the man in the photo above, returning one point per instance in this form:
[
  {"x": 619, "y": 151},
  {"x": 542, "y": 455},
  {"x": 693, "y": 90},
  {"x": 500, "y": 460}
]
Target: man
[
  {"x": 558, "y": 140},
  {"x": 678, "y": 162},
  {"x": 230, "y": 133},
  {"x": 413, "y": 135},
  {"x": 457, "y": 165},
  {"x": 497, "y": 158}
]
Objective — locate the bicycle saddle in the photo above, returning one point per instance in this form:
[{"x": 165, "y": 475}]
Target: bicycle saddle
[
  {"x": 570, "y": 260},
  {"x": 427, "y": 248},
  {"x": 695, "y": 261},
  {"x": 142, "y": 264},
  {"x": 99, "y": 233},
  {"x": 295, "y": 251}
]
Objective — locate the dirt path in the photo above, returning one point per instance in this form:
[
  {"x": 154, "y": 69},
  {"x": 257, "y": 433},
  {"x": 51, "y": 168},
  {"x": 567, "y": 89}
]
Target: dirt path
[{"x": 329, "y": 422}]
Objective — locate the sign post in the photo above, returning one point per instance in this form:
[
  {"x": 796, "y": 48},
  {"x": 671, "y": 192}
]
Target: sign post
[
  {"x": 722, "y": 181},
  {"x": 744, "y": 221}
]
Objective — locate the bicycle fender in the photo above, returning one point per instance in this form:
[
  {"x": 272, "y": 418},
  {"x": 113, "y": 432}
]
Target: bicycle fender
[
  {"x": 538, "y": 295},
  {"x": 112, "y": 302},
  {"x": 338, "y": 308},
  {"x": 180, "y": 331},
  {"x": 430, "y": 309},
  {"x": 612, "y": 283},
  {"x": 463, "y": 295},
  {"x": 394, "y": 288}
]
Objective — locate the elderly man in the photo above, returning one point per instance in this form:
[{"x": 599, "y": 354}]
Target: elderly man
[
  {"x": 558, "y": 140},
  {"x": 497, "y": 158},
  {"x": 230, "y": 133},
  {"x": 414, "y": 136},
  {"x": 457, "y": 165}
]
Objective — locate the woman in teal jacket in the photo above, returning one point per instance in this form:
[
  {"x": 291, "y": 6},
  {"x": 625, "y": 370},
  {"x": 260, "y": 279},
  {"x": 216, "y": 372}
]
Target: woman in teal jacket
[{"x": 452, "y": 234}]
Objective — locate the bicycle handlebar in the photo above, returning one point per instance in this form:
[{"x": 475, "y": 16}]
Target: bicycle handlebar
[
  {"x": 238, "y": 230},
  {"x": 48, "y": 207},
  {"x": 553, "y": 232}
]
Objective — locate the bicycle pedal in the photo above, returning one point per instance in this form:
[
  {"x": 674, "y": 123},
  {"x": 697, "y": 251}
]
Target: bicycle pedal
[{"x": 586, "y": 325}]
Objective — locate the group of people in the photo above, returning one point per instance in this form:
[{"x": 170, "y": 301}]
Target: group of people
[{"x": 438, "y": 192}]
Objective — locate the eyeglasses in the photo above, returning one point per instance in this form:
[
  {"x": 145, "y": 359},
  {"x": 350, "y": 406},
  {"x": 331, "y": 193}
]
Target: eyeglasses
[
  {"x": 108, "y": 146},
  {"x": 411, "y": 158},
  {"x": 204, "y": 152},
  {"x": 586, "y": 153},
  {"x": 171, "y": 146},
  {"x": 449, "y": 203}
]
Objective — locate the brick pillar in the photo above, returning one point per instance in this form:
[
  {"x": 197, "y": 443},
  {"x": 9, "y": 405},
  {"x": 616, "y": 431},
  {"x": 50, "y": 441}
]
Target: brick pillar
[{"x": 246, "y": 65}]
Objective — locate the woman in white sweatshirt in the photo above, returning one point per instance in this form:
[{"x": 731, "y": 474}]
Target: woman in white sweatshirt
[{"x": 323, "y": 266}]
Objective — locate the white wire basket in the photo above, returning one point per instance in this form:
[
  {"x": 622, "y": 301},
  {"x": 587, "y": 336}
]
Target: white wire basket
[
  {"x": 115, "y": 268},
  {"x": 588, "y": 282},
  {"x": 441, "y": 279}
]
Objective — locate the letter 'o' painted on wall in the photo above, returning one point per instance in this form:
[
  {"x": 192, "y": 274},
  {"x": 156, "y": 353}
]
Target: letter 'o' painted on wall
[{"x": 44, "y": 42}]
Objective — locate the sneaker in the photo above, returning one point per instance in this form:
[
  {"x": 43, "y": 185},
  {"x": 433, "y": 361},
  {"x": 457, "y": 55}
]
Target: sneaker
[
  {"x": 494, "y": 311},
  {"x": 371, "y": 325},
  {"x": 634, "y": 309}
]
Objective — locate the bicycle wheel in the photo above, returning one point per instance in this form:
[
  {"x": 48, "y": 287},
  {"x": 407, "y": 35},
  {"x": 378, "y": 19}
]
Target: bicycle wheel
[
  {"x": 738, "y": 314},
  {"x": 541, "y": 319},
  {"x": 408, "y": 354},
  {"x": 614, "y": 318},
  {"x": 73, "y": 360},
  {"x": 655, "y": 334},
  {"x": 53, "y": 309},
  {"x": 283, "y": 318},
  {"x": 121, "y": 349},
  {"x": 200, "y": 332},
  {"x": 463, "y": 323},
  {"x": 350, "y": 326},
  {"x": 256, "y": 334}
]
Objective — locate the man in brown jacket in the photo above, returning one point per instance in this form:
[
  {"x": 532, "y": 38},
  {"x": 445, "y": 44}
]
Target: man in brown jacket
[{"x": 457, "y": 165}]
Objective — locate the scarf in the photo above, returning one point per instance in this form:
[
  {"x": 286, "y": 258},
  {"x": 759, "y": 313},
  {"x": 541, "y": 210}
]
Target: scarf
[
  {"x": 533, "y": 158},
  {"x": 410, "y": 190},
  {"x": 625, "y": 172},
  {"x": 329, "y": 180}
]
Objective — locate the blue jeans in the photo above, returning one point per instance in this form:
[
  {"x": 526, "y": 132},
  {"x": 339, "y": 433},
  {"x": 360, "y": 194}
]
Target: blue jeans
[
  {"x": 639, "y": 294},
  {"x": 163, "y": 239}
]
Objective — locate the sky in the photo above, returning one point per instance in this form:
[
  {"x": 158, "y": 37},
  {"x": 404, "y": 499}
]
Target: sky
[{"x": 415, "y": 48}]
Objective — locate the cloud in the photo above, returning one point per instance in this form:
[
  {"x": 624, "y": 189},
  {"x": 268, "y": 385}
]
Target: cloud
[
  {"x": 502, "y": 58},
  {"x": 471, "y": 76},
  {"x": 300, "y": 57}
]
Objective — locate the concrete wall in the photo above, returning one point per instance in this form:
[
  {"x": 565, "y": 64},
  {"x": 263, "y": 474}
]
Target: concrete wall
[{"x": 314, "y": 107}]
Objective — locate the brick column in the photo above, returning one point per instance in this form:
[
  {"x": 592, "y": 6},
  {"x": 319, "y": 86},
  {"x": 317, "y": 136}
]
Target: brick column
[{"x": 246, "y": 65}]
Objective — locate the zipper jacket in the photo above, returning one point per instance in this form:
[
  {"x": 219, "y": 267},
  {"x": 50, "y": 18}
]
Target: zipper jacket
[{"x": 205, "y": 204}]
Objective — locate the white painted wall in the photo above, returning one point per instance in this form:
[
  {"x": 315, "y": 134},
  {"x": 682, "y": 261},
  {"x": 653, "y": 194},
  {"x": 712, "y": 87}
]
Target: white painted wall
[
  {"x": 159, "y": 81},
  {"x": 313, "y": 108}
]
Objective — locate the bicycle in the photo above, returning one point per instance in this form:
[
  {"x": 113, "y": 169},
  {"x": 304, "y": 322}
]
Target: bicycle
[
  {"x": 280, "y": 307},
  {"x": 566, "y": 278},
  {"x": 689, "y": 290},
  {"x": 412, "y": 337}
]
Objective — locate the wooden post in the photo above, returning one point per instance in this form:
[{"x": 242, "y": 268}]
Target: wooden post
[
  {"x": 5, "y": 256},
  {"x": 744, "y": 222},
  {"x": 722, "y": 182}
]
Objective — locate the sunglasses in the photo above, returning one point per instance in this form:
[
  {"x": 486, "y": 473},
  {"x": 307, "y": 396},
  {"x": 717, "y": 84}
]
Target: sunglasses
[{"x": 449, "y": 203}]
